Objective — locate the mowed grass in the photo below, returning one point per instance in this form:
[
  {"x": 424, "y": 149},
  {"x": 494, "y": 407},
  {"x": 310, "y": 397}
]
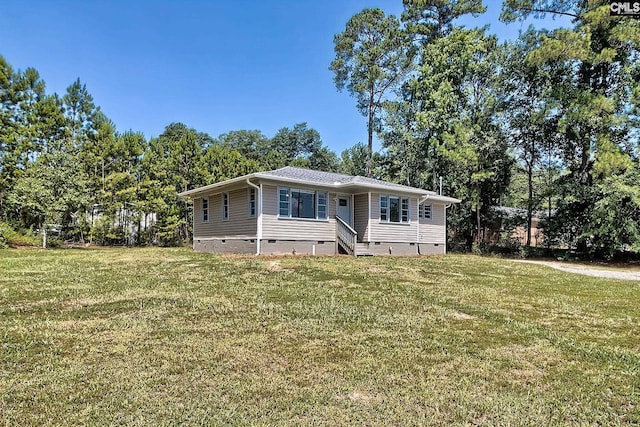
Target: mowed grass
[{"x": 168, "y": 336}]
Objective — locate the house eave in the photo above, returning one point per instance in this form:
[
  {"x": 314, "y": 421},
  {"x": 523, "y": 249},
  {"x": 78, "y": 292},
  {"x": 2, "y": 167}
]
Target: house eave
[
  {"x": 440, "y": 199},
  {"x": 349, "y": 187},
  {"x": 384, "y": 189},
  {"x": 191, "y": 194}
]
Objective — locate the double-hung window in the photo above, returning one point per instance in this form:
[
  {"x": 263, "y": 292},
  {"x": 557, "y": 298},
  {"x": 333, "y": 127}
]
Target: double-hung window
[
  {"x": 425, "y": 211},
  {"x": 284, "y": 197},
  {"x": 322, "y": 205},
  {"x": 394, "y": 209},
  {"x": 404, "y": 209},
  {"x": 298, "y": 203},
  {"x": 252, "y": 202},
  {"x": 225, "y": 206},
  {"x": 384, "y": 208},
  {"x": 205, "y": 209}
]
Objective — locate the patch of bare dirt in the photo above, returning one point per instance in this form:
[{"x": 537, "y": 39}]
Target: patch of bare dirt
[
  {"x": 588, "y": 271},
  {"x": 360, "y": 396},
  {"x": 459, "y": 315},
  {"x": 275, "y": 266}
]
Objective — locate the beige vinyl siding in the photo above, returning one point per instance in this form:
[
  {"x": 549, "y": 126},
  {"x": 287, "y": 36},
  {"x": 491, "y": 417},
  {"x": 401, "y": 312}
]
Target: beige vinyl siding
[
  {"x": 239, "y": 225},
  {"x": 295, "y": 229},
  {"x": 391, "y": 231},
  {"x": 434, "y": 230},
  {"x": 361, "y": 215}
]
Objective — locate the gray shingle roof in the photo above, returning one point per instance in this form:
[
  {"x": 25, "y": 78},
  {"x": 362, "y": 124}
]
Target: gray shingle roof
[
  {"x": 331, "y": 178},
  {"x": 326, "y": 179},
  {"x": 319, "y": 177}
]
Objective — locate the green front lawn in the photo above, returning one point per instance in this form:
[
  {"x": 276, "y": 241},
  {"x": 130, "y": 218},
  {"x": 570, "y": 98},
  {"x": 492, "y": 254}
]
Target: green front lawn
[{"x": 168, "y": 336}]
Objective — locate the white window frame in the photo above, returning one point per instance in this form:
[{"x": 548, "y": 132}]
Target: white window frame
[
  {"x": 402, "y": 211},
  {"x": 251, "y": 202},
  {"x": 288, "y": 201},
  {"x": 423, "y": 211},
  {"x": 317, "y": 204},
  {"x": 385, "y": 207},
  {"x": 325, "y": 205},
  {"x": 225, "y": 206},
  {"x": 205, "y": 211}
]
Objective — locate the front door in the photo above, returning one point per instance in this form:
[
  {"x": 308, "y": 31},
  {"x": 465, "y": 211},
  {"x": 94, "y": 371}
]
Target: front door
[{"x": 343, "y": 208}]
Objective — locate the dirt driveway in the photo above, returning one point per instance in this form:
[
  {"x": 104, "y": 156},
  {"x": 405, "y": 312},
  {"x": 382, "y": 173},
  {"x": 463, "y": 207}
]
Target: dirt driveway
[{"x": 588, "y": 271}]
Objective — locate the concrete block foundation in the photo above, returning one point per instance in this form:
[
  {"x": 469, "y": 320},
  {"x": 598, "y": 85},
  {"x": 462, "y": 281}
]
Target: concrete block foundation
[
  {"x": 310, "y": 247},
  {"x": 225, "y": 246},
  {"x": 297, "y": 247}
]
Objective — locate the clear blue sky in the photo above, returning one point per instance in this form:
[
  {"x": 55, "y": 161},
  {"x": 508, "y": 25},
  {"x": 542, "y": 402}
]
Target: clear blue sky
[{"x": 213, "y": 65}]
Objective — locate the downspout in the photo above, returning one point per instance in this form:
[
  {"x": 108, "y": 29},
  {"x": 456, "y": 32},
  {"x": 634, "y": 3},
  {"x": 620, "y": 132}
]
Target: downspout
[
  {"x": 446, "y": 233},
  {"x": 193, "y": 224},
  {"x": 369, "y": 221},
  {"x": 258, "y": 214},
  {"x": 352, "y": 203},
  {"x": 418, "y": 221}
]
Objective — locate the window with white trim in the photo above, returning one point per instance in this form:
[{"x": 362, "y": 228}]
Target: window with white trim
[
  {"x": 225, "y": 206},
  {"x": 252, "y": 202},
  {"x": 298, "y": 203},
  {"x": 425, "y": 211},
  {"x": 384, "y": 208},
  {"x": 283, "y": 202},
  {"x": 322, "y": 205},
  {"x": 404, "y": 209},
  {"x": 205, "y": 209},
  {"x": 394, "y": 209}
]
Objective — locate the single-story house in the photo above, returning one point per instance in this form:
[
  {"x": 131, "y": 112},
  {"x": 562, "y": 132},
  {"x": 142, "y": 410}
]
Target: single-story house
[{"x": 301, "y": 211}]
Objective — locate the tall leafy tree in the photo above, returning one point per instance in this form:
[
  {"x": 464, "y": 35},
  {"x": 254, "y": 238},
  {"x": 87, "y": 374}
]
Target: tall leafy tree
[
  {"x": 80, "y": 112},
  {"x": 53, "y": 191},
  {"x": 598, "y": 137},
  {"x": 455, "y": 99},
  {"x": 531, "y": 117},
  {"x": 172, "y": 163},
  {"x": 157, "y": 195},
  {"x": 481, "y": 141},
  {"x": 119, "y": 193},
  {"x": 324, "y": 159},
  {"x": 411, "y": 155},
  {"x": 252, "y": 144},
  {"x": 372, "y": 58},
  {"x": 353, "y": 160},
  {"x": 408, "y": 156},
  {"x": 298, "y": 142},
  {"x": 30, "y": 121},
  {"x": 298, "y": 146},
  {"x": 430, "y": 19},
  {"x": 219, "y": 163}
]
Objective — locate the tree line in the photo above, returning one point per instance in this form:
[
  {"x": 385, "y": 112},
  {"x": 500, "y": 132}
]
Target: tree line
[
  {"x": 66, "y": 169},
  {"x": 547, "y": 123}
]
